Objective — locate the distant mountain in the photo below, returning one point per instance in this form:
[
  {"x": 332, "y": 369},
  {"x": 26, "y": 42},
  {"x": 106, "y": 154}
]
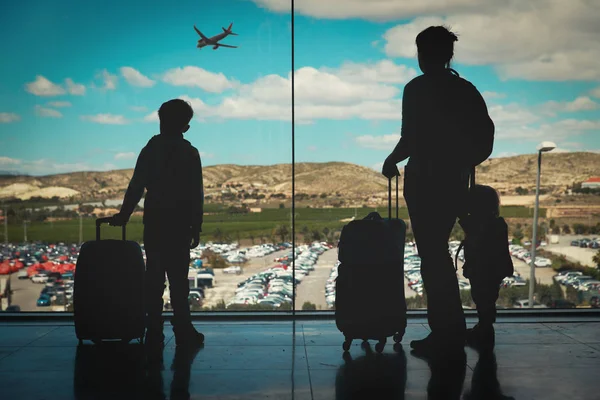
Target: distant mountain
[{"x": 337, "y": 179}]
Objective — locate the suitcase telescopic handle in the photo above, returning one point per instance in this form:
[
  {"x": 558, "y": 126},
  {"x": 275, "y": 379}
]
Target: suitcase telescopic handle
[
  {"x": 390, "y": 197},
  {"x": 106, "y": 220}
]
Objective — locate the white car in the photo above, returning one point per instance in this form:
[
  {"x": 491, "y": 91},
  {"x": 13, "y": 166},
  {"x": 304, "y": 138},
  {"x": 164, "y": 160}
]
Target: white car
[
  {"x": 233, "y": 270},
  {"x": 39, "y": 278},
  {"x": 542, "y": 262}
]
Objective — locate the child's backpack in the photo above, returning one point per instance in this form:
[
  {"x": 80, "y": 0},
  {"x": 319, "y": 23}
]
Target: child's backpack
[{"x": 484, "y": 243}]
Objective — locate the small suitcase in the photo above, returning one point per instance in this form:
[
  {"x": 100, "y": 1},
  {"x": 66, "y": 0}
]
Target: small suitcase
[
  {"x": 108, "y": 294},
  {"x": 370, "y": 302}
]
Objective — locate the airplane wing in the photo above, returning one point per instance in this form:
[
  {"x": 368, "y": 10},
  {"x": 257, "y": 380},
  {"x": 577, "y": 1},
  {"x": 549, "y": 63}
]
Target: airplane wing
[
  {"x": 200, "y": 33},
  {"x": 226, "y": 45}
]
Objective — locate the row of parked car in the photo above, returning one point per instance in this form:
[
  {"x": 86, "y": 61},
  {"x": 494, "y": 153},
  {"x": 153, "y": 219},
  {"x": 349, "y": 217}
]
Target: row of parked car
[
  {"x": 275, "y": 286},
  {"x": 587, "y": 243},
  {"x": 524, "y": 255}
]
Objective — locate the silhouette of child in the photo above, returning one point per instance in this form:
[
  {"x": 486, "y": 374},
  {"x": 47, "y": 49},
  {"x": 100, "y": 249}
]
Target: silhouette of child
[
  {"x": 169, "y": 168},
  {"x": 487, "y": 260}
]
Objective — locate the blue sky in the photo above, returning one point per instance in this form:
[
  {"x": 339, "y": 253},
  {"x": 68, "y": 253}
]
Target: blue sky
[{"x": 80, "y": 81}]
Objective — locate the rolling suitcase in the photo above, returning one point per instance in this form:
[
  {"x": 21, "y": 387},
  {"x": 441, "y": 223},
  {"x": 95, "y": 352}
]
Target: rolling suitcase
[
  {"x": 108, "y": 294},
  {"x": 370, "y": 302}
]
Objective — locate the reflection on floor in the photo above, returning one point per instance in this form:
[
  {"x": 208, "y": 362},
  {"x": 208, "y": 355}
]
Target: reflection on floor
[{"x": 302, "y": 360}]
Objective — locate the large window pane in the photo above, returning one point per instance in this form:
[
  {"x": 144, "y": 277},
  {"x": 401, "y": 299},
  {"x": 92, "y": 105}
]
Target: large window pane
[
  {"x": 351, "y": 67},
  {"x": 77, "y": 110}
]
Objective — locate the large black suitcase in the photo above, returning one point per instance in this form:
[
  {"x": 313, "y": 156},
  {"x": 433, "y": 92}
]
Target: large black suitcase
[
  {"x": 108, "y": 296},
  {"x": 369, "y": 299}
]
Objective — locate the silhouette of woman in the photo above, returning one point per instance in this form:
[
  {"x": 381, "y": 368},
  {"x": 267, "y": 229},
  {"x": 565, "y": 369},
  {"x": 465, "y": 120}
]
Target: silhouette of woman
[{"x": 445, "y": 125}]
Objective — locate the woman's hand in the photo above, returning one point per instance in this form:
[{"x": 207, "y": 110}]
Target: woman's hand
[{"x": 389, "y": 169}]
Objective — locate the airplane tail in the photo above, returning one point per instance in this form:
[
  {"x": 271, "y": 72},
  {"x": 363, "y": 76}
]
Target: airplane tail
[{"x": 228, "y": 30}]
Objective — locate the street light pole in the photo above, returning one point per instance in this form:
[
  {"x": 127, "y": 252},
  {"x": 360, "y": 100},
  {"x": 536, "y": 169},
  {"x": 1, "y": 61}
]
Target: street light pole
[{"x": 543, "y": 147}]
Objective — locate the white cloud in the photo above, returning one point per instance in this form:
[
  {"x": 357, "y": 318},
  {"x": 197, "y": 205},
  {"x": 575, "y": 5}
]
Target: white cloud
[
  {"x": 582, "y": 103},
  {"x": 351, "y": 91},
  {"x": 6, "y": 117},
  {"x": 488, "y": 95},
  {"x": 152, "y": 117},
  {"x": 505, "y": 154},
  {"x": 106, "y": 119},
  {"x": 42, "y": 166},
  {"x": 136, "y": 78},
  {"x": 206, "y": 155},
  {"x": 191, "y": 76},
  {"x": 47, "y": 112},
  {"x": 9, "y": 161},
  {"x": 519, "y": 39},
  {"x": 385, "y": 142},
  {"x": 384, "y": 71},
  {"x": 377, "y": 166},
  {"x": 76, "y": 89},
  {"x": 125, "y": 156},
  {"x": 109, "y": 80},
  {"x": 511, "y": 115},
  {"x": 139, "y": 108},
  {"x": 59, "y": 104},
  {"x": 379, "y": 10},
  {"x": 556, "y": 131},
  {"x": 311, "y": 148},
  {"x": 44, "y": 87}
]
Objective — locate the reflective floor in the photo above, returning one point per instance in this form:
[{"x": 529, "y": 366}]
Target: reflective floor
[{"x": 302, "y": 360}]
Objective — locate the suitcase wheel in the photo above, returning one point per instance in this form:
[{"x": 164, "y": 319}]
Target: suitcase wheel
[
  {"x": 365, "y": 344},
  {"x": 380, "y": 346},
  {"x": 346, "y": 345},
  {"x": 398, "y": 337},
  {"x": 397, "y": 347}
]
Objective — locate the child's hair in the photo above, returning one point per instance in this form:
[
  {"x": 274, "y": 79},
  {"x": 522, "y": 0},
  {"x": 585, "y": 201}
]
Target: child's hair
[
  {"x": 484, "y": 200},
  {"x": 175, "y": 114},
  {"x": 436, "y": 45}
]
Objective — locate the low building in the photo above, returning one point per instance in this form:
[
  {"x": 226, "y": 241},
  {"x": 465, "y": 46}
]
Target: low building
[{"x": 592, "y": 183}]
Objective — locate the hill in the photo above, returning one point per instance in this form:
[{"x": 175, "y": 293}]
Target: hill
[{"x": 334, "y": 179}]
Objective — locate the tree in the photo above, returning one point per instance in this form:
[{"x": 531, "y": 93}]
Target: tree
[
  {"x": 556, "y": 230},
  {"x": 281, "y": 205},
  {"x": 251, "y": 236},
  {"x": 315, "y": 236},
  {"x": 596, "y": 259},
  {"x": 282, "y": 231},
  {"x": 566, "y": 229},
  {"x": 308, "y": 306},
  {"x": 218, "y": 235},
  {"x": 518, "y": 235}
]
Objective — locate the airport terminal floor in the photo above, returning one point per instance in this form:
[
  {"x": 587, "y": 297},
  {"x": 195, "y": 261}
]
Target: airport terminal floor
[{"x": 535, "y": 358}]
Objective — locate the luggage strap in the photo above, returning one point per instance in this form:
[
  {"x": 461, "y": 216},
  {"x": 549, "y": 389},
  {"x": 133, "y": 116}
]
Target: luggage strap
[
  {"x": 460, "y": 247},
  {"x": 390, "y": 197}
]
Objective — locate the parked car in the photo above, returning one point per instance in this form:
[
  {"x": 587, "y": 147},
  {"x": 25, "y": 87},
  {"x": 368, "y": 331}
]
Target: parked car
[
  {"x": 233, "y": 270},
  {"x": 576, "y": 243},
  {"x": 43, "y": 300},
  {"x": 525, "y": 304},
  {"x": 23, "y": 274},
  {"x": 39, "y": 278},
  {"x": 542, "y": 262}
]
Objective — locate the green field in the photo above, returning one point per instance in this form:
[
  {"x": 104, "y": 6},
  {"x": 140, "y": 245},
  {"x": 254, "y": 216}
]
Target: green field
[{"x": 220, "y": 224}]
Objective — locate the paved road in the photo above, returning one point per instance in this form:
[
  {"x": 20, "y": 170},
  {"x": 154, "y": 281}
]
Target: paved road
[
  {"x": 577, "y": 254},
  {"x": 312, "y": 288},
  {"x": 26, "y": 293}
]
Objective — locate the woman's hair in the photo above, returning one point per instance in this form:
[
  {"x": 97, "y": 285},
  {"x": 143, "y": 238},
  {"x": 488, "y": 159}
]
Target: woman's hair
[
  {"x": 436, "y": 45},
  {"x": 484, "y": 200}
]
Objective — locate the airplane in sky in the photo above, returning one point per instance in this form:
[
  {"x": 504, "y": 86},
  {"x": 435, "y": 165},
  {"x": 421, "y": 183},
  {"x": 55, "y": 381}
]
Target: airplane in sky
[{"x": 214, "y": 41}]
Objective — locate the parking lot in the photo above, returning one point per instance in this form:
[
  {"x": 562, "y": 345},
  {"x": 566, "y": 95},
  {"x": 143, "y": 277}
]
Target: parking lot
[{"x": 576, "y": 254}]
